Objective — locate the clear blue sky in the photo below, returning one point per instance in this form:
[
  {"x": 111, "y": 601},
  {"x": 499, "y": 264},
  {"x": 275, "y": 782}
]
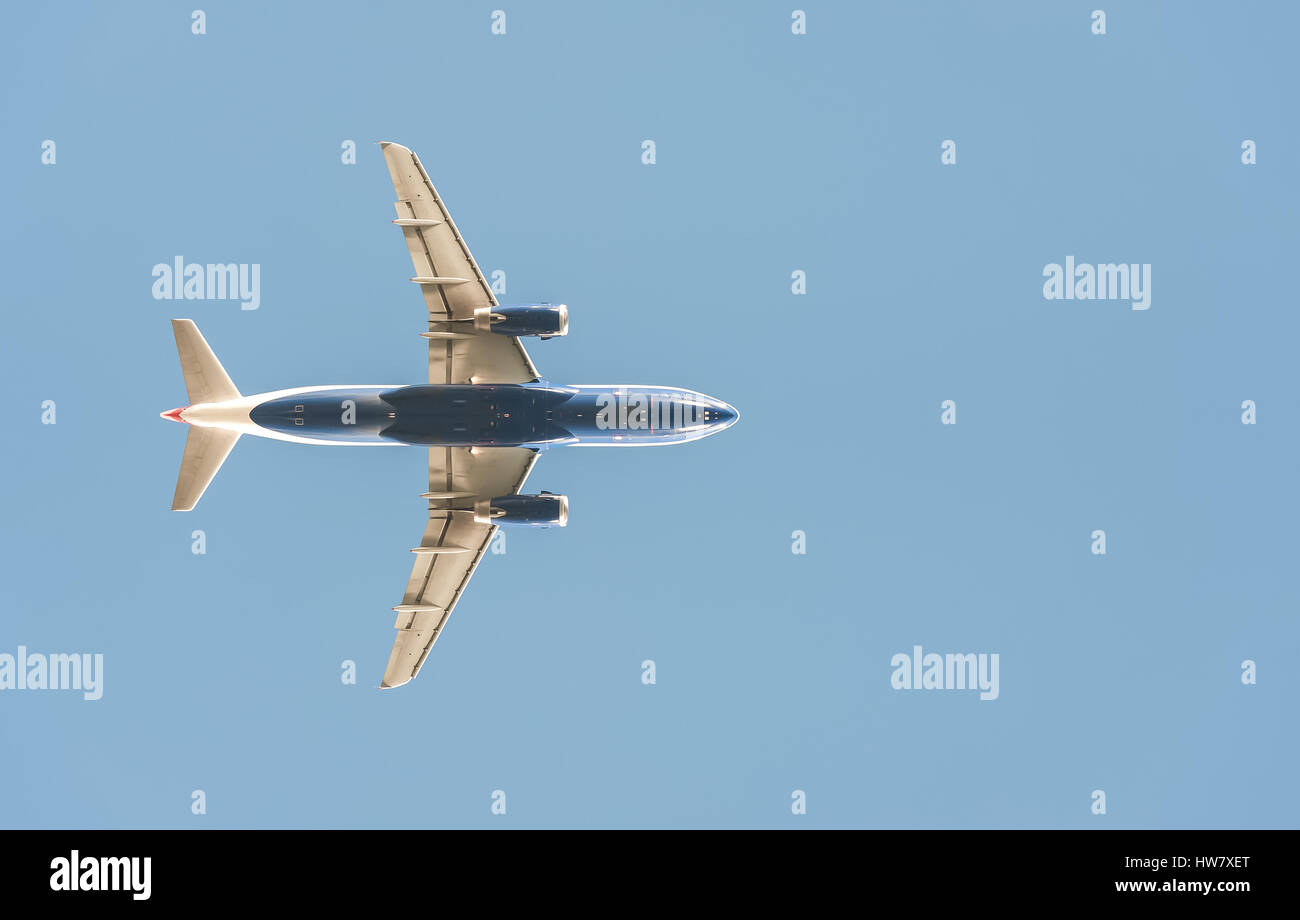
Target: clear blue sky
[{"x": 775, "y": 152}]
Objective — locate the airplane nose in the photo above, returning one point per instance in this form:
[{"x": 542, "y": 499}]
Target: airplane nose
[
  {"x": 174, "y": 414},
  {"x": 727, "y": 415}
]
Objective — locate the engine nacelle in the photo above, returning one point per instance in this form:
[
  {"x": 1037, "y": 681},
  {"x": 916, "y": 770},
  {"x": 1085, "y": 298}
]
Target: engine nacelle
[
  {"x": 544, "y": 319},
  {"x": 545, "y": 510}
]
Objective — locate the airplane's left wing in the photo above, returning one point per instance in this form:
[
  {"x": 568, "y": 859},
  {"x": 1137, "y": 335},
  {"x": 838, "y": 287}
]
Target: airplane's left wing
[
  {"x": 452, "y": 546},
  {"x": 452, "y": 284}
]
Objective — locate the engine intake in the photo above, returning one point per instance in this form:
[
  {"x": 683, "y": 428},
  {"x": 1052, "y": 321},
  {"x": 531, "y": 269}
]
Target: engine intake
[
  {"x": 545, "y": 510},
  {"x": 544, "y": 319}
]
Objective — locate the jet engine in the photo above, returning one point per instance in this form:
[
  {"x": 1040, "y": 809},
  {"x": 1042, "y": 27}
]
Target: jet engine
[
  {"x": 544, "y": 319},
  {"x": 544, "y": 510}
]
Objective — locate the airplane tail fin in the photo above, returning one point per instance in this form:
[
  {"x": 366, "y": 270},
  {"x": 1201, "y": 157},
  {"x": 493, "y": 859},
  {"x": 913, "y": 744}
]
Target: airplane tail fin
[{"x": 206, "y": 381}]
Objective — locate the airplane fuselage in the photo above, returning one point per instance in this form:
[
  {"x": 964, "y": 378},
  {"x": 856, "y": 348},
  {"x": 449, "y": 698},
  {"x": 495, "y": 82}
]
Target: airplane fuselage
[{"x": 471, "y": 415}]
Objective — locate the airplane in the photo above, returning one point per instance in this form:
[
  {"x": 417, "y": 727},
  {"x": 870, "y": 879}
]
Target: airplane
[{"x": 483, "y": 416}]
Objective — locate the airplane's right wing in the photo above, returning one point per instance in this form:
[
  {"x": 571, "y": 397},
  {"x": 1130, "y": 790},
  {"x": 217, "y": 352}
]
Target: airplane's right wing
[{"x": 452, "y": 546}]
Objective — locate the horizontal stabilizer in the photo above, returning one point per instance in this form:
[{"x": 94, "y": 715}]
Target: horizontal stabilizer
[
  {"x": 206, "y": 380},
  {"x": 205, "y": 450}
]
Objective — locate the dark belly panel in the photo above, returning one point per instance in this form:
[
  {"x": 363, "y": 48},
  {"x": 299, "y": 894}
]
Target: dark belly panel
[{"x": 483, "y": 415}]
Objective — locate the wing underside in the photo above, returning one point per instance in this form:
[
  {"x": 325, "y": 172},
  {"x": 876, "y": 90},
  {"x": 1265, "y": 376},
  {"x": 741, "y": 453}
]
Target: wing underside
[
  {"x": 452, "y": 546},
  {"x": 452, "y": 284}
]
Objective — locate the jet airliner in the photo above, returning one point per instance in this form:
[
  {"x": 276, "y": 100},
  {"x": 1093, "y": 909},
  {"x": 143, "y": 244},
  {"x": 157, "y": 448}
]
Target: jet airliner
[{"x": 483, "y": 416}]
